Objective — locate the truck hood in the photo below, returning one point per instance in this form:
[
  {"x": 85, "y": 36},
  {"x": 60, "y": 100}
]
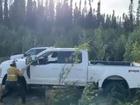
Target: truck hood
[
  {"x": 6, "y": 64},
  {"x": 18, "y": 56}
]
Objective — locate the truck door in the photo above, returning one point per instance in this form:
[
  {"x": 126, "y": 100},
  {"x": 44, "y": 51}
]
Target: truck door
[
  {"x": 76, "y": 70},
  {"x": 59, "y": 67},
  {"x": 47, "y": 69},
  {"x": 54, "y": 67}
]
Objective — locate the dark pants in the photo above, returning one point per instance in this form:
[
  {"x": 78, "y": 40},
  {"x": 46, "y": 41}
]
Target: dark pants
[
  {"x": 10, "y": 87},
  {"x": 14, "y": 87},
  {"x": 22, "y": 88}
]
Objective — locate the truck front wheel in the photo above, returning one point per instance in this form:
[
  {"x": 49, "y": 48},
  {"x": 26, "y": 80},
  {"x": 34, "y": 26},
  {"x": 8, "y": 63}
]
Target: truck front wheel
[{"x": 116, "y": 90}]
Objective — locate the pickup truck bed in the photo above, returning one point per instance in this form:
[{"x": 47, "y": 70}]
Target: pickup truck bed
[{"x": 122, "y": 63}]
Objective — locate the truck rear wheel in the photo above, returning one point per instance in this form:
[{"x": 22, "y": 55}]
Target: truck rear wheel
[{"x": 116, "y": 90}]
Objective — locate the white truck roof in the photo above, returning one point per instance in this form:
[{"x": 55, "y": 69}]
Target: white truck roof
[{"x": 58, "y": 49}]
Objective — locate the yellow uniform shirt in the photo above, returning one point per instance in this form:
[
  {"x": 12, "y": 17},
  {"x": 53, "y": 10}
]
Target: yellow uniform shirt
[{"x": 12, "y": 74}]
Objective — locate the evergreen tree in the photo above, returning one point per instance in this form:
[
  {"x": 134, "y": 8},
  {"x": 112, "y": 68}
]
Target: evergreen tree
[
  {"x": 108, "y": 21},
  {"x": 1, "y": 12},
  {"x": 31, "y": 14},
  {"x": 71, "y": 11},
  {"x": 98, "y": 13},
  {"x": 40, "y": 15},
  {"x": 131, "y": 16},
  {"x": 114, "y": 22},
  {"x": 85, "y": 11},
  {"x": 51, "y": 12},
  {"x": 84, "y": 14},
  {"x": 76, "y": 15},
  {"x": 80, "y": 4},
  {"x": 126, "y": 24},
  {"x": 89, "y": 17},
  {"x": 6, "y": 12},
  {"x": 138, "y": 14},
  {"x": 17, "y": 13},
  {"x": 58, "y": 18}
]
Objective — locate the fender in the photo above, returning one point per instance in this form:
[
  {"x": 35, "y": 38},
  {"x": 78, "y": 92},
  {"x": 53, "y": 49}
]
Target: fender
[{"x": 112, "y": 78}]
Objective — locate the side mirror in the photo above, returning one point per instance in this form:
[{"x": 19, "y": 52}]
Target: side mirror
[
  {"x": 31, "y": 60},
  {"x": 34, "y": 63}
]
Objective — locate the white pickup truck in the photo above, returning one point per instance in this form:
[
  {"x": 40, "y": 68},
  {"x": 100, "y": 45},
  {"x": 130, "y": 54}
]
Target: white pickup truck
[{"x": 60, "y": 66}]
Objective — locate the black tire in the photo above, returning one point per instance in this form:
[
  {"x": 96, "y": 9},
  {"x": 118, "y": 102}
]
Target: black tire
[{"x": 116, "y": 90}]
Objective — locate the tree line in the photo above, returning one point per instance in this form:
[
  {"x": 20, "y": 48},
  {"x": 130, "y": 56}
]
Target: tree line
[{"x": 67, "y": 23}]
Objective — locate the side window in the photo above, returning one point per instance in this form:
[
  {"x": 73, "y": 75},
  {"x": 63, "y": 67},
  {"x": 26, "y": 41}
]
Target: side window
[
  {"x": 53, "y": 57},
  {"x": 49, "y": 57},
  {"x": 69, "y": 57},
  {"x": 60, "y": 57},
  {"x": 77, "y": 57}
]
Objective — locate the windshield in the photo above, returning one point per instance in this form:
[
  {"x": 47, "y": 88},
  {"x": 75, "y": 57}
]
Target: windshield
[{"x": 33, "y": 52}]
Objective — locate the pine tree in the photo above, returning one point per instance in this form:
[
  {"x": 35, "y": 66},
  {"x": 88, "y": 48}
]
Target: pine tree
[
  {"x": 31, "y": 17},
  {"x": 108, "y": 21},
  {"x": 80, "y": 5},
  {"x": 131, "y": 16},
  {"x": 89, "y": 17},
  {"x": 51, "y": 12},
  {"x": 98, "y": 13},
  {"x": 40, "y": 14},
  {"x": 46, "y": 9},
  {"x": 76, "y": 14},
  {"x": 84, "y": 11},
  {"x": 1, "y": 12},
  {"x": 17, "y": 12},
  {"x": 6, "y": 12},
  {"x": 114, "y": 22},
  {"x": 138, "y": 14},
  {"x": 71, "y": 11},
  {"x": 58, "y": 19}
]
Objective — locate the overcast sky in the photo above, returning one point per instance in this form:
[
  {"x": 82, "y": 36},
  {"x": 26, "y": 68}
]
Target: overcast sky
[
  {"x": 120, "y": 6},
  {"x": 107, "y": 6}
]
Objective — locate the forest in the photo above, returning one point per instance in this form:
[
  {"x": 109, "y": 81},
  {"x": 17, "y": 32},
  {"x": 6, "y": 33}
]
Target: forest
[{"x": 32, "y": 23}]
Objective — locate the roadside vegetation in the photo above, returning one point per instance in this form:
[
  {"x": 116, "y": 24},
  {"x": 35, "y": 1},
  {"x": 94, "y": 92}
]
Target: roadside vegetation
[{"x": 90, "y": 95}]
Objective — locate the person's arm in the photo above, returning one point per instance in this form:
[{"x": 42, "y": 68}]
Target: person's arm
[
  {"x": 19, "y": 73},
  {"x": 4, "y": 79}
]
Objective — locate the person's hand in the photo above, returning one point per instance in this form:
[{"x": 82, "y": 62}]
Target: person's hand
[{"x": 2, "y": 87}]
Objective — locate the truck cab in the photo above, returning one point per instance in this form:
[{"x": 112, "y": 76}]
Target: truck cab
[{"x": 59, "y": 66}]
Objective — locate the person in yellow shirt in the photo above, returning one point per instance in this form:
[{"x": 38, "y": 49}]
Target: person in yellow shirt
[{"x": 12, "y": 81}]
